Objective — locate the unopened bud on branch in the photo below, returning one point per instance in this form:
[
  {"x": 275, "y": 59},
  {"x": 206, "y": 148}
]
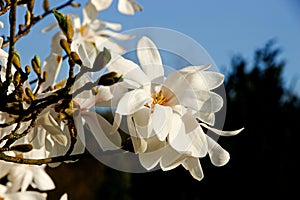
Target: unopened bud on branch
[{"x": 109, "y": 79}]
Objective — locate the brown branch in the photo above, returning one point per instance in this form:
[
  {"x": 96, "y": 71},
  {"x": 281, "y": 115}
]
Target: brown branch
[
  {"x": 35, "y": 20},
  {"x": 29, "y": 161},
  {"x": 12, "y": 21}
]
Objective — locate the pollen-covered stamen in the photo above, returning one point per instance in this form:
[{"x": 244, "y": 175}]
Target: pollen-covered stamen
[{"x": 158, "y": 98}]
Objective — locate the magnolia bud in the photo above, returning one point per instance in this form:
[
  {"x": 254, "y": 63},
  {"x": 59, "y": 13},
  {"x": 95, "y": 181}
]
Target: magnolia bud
[
  {"x": 65, "y": 45},
  {"x": 46, "y": 5},
  {"x": 16, "y": 60},
  {"x": 17, "y": 78},
  {"x": 36, "y": 65},
  {"x": 109, "y": 79},
  {"x": 27, "y": 69},
  {"x": 22, "y": 148},
  {"x": 70, "y": 28},
  {"x": 75, "y": 57},
  {"x": 29, "y": 93}
]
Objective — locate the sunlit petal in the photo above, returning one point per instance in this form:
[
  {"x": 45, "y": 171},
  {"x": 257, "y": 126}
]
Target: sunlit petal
[
  {"x": 133, "y": 101},
  {"x": 194, "y": 167},
  {"x": 161, "y": 119},
  {"x": 149, "y": 58},
  {"x": 220, "y": 132}
]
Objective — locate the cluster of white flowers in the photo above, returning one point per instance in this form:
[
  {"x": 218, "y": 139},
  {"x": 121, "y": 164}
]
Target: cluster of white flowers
[{"x": 165, "y": 115}]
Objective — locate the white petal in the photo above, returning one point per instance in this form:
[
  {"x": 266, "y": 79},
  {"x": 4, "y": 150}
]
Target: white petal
[
  {"x": 42, "y": 180},
  {"x": 116, "y": 123},
  {"x": 162, "y": 120},
  {"x": 26, "y": 180},
  {"x": 4, "y": 169},
  {"x": 187, "y": 136},
  {"x": 220, "y": 132},
  {"x": 154, "y": 152},
  {"x": 142, "y": 122},
  {"x": 194, "y": 167},
  {"x": 126, "y": 7},
  {"x": 28, "y": 195},
  {"x": 79, "y": 126},
  {"x": 139, "y": 143},
  {"x": 208, "y": 118},
  {"x": 149, "y": 58},
  {"x": 89, "y": 13},
  {"x": 1, "y": 25},
  {"x": 101, "y": 4},
  {"x": 213, "y": 104},
  {"x": 113, "y": 94},
  {"x": 52, "y": 65},
  {"x": 171, "y": 158},
  {"x": 129, "y": 70},
  {"x": 52, "y": 127},
  {"x": 64, "y": 197},
  {"x": 101, "y": 129},
  {"x": 217, "y": 154},
  {"x": 133, "y": 101},
  {"x": 193, "y": 69},
  {"x": 213, "y": 79},
  {"x": 193, "y": 99}
]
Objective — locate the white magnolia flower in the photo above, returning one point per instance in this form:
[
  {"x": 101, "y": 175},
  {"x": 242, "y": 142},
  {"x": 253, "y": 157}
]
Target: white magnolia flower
[
  {"x": 26, "y": 195},
  {"x": 162, "y": 112},
  {"x": 127, "y": 7},
  {"x": 21, "y": 175}
]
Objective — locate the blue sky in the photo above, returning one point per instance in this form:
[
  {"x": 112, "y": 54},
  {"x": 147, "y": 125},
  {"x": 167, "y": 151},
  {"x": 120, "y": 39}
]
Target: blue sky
[{"x": 223, "y": 28}]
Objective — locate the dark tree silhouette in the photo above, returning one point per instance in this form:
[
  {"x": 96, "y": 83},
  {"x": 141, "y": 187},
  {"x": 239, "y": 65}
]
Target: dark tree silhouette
[{"x": 265, "y": 153}]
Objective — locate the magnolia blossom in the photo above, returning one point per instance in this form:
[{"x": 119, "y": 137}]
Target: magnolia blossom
[
  {"x": 21, "y": 175},
  {"x": 127, "y": 7},
  {"x": 162, "y": 113},
  {"x": 24, "y": 195}
]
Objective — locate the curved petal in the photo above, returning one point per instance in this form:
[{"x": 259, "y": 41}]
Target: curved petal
[
  {"x": 129, "y": 70},
  {"x": 53, "y": 128},
  {"x": 28, "y": 195},
  {"x": 187, "y": 136},
  {"x": 101, "y": 129},
  {"x": 142, "y": 122},
  {"x": 101, "y": 4},
  {"x": 42, "y": 180},
  {"x": 4, "y": 169},
  {"x": 133, "y": 101},
  {"x": 153, "y": 154},
  {"x": 89, "y": 13},
  {"x": 194, "y": 167},
  {"x": 171, "y": 158},
  {"x": 208, "y": 118},
  {"x": 213, "y": 104},
  {"x": 193, "y": 69},
  {"x": 220, "y": 132},
  {"x": 52, "y": 65},
  {"x": 217, "y": 154},
  {"x": 128, "y": 7},
  {"x": 149, "y": 58},
  {"x": 110, "y": 95},
  {"x": 161, "y": 121},
  {"x": 139, "y": 143}
]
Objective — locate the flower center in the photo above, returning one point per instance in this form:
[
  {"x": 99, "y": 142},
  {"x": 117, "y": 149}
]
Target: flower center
[{"x": 158, "y": 98}]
